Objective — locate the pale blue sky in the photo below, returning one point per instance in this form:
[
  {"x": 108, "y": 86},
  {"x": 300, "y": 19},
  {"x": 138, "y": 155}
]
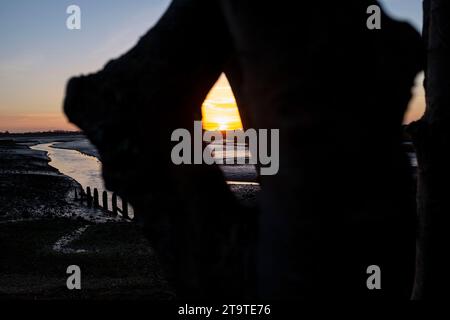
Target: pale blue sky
[
  {"x": 38, "y": 53},
  {"x": 408, "y": 10}
]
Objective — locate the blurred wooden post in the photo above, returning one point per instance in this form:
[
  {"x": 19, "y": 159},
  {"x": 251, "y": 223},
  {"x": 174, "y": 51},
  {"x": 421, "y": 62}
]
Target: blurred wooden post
[
  {"x": 114, "y": 204},
  {"x": 89, "y": 197},
  {"x": 96, "y": 202},
  {"x": 124, "y": 209},
  {"x": 431, "y": 137},
  {"x": 105, "y": 201}
]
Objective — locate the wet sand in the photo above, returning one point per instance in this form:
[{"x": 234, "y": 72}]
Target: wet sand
[
  {"x": 37, "y": 220},
  {"x": 43, "y": 231}
]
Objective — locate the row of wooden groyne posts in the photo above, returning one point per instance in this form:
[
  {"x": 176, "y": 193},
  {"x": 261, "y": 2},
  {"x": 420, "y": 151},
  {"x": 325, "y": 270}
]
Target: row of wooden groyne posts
[{"x": 91, "y": 198}]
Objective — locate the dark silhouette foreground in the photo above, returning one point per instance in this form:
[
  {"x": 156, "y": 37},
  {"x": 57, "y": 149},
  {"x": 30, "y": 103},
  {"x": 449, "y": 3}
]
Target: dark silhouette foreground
[
  {"x": 343, "y": 198},
  {"x": 432, "y": 141}
]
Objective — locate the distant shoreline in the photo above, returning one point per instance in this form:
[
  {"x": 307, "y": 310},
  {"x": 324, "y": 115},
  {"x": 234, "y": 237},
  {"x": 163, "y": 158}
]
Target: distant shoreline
[{"x": 7, "y": 134}]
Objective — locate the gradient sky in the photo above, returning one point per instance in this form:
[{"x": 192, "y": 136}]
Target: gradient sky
[{"x": 38, "y": 54}]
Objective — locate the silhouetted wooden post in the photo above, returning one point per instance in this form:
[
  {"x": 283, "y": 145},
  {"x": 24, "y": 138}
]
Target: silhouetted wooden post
[
  {"x": 224, "y": 150},
  {"x": 89, "y": 197},
  {"x": 431, "y": 136},
  {"x": 125, "y": 209},
  {"x": 105, "y": 201},
  {"x": 114, "y": 204},
  {"x": 96, "y": 205}
]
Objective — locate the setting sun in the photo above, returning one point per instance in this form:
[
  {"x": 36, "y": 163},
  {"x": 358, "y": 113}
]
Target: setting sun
[{"x": 220, "y": 110}]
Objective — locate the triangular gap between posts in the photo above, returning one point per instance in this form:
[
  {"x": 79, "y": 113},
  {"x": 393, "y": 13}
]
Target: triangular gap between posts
[{"x": 219, "y": 110}]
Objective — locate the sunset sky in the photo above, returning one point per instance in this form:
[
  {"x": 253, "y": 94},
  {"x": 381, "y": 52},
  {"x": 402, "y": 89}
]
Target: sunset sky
[
  {"x": 39, "y": 54},
  {"x": 219, "y": 109}
]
